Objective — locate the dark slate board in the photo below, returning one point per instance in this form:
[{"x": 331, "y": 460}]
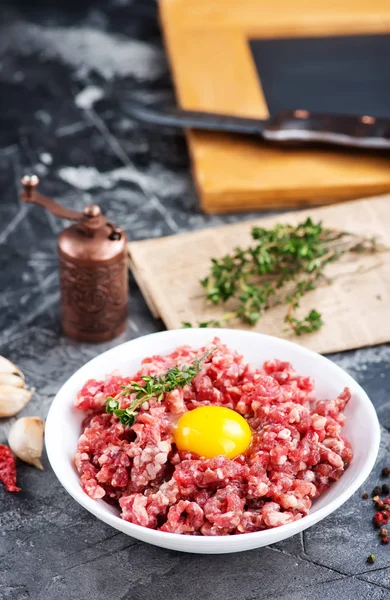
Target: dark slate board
[
  {"x": 88, "y": 150},
  {"x": 341, "y": 74}
]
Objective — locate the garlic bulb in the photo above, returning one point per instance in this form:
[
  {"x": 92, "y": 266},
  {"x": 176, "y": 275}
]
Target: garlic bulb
[
  {"x": 13, "y": 393},
  {"x": 26, "y": 440}
]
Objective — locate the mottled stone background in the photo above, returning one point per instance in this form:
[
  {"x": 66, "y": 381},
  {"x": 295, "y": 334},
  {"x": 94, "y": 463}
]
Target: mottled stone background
[{"x": 67, "y": 72}]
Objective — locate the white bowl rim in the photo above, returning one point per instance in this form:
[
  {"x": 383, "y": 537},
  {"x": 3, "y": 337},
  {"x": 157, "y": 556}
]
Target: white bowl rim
[{"x": 211, "y": 544}]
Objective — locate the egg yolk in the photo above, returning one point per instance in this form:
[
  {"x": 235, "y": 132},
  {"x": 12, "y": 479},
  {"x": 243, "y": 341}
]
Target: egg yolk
[{"x": 211, "y": 431}]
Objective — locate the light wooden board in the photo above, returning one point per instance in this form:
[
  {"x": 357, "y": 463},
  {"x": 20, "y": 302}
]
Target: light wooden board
[
  {"x": 355, "y": 305},
  {"x": 207, "y": 44}
]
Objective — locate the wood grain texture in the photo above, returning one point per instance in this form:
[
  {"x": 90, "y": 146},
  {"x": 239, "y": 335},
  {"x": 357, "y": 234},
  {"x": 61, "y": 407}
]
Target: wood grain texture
[
  {"x": 354, "y": 305},
  {"x": 213, "y": 70},
  {"x": 274, "y": 18}
]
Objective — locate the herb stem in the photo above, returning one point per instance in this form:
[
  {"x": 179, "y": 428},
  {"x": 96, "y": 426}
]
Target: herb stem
[{"x": 155, "y": 386}]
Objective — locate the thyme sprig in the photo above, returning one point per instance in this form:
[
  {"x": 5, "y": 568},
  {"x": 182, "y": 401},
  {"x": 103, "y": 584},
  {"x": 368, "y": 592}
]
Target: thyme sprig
[
  {"x": 154, "y": 386},
  {"x": 283, "y": 265}
]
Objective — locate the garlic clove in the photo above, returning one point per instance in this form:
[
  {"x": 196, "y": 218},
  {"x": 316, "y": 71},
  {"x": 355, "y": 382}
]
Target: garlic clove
[
  {"x": 6, "y": 366},
  {"x": 13, "y": 394},
  {"x": 13, "y": 399},
  {"x": 11, "y": 379},
  {"x": 26, "y": 440}
]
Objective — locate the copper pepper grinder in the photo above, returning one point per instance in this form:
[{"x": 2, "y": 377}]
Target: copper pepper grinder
[{"x": 93, "y": 270}]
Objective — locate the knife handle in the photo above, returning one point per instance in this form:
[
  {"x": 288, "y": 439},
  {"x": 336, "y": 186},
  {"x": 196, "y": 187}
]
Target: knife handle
[{"x": 304, "y": 126}]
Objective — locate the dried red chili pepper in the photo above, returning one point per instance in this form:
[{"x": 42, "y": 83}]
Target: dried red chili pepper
[{"x": 8, "y": 469}]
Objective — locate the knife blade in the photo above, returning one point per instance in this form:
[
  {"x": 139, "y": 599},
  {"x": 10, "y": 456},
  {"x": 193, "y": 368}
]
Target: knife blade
[{"x": 287, "y": 127}]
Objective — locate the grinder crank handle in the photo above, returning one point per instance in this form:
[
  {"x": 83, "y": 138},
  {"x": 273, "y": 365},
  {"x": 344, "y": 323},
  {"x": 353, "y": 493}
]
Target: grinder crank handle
[{"x": 30, "y": 194}]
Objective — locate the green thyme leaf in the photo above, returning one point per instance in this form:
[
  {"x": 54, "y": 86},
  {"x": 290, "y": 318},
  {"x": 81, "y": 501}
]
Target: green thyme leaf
[{"x": 155, "y": 386}]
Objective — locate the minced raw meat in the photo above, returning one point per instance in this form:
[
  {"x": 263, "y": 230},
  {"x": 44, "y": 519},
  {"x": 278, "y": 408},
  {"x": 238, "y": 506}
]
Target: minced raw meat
[{"x": 296, "y": 452}]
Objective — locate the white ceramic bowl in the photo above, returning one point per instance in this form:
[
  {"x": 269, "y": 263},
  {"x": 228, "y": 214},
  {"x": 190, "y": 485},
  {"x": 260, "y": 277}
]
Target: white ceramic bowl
[{"x": 361, "y": 429}]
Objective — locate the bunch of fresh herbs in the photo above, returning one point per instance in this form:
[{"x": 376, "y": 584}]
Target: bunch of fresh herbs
[{"x": 281, "y": 266}]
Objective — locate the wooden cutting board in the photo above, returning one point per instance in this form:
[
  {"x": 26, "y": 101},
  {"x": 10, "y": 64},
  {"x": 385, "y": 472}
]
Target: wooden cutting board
[
  {"x": 254, "y": 57},
  {"x": 355, "y": 305}
]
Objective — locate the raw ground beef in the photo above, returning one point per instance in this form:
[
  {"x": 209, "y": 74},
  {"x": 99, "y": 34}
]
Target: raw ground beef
[{"x": 297, "y": 449}]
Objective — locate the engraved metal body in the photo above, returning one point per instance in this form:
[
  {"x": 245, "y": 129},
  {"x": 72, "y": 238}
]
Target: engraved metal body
[{"x": 93, "y": 270}]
